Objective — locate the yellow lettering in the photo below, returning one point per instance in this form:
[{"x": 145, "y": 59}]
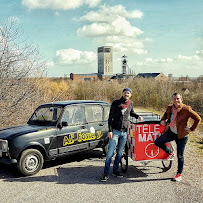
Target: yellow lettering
[
  {"x": 79, "y": 137},
  {"x": 99, "y": 134},
  {"x": 87, "y": 136},
  {"x": 69, "y": 139}
]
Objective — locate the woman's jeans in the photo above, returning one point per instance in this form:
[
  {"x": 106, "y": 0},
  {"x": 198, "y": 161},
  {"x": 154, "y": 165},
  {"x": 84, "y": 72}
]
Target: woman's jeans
[
  {"x": 168, "y": 137},
  {"x": 120, "y": 139}
]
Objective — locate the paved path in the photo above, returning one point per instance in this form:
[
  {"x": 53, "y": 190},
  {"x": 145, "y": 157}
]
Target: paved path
[{"x": 77, "y": 179}]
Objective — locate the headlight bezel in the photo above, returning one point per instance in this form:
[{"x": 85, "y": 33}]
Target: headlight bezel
[{"x": 4, "y": 145}]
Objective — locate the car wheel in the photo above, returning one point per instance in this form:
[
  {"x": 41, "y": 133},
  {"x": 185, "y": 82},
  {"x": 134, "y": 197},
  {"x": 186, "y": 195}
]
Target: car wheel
[{"x": 30, "y": 162}]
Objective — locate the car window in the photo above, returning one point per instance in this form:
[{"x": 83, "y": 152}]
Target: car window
[
  {"x": 93, "y": 113},
  {"x": 78, "y": 116},
  {"x": 106, "y": 112},
  {"x": 73, "y": 115},
  {"x": 46, "y": 114}
]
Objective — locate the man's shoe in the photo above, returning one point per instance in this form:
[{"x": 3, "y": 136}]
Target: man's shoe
[
  {"x": 178, "y": 177},
  {"x": 104, "y": 178},
  {"x": 117, "y": 174},
  {"x": 171, "y": 155}
]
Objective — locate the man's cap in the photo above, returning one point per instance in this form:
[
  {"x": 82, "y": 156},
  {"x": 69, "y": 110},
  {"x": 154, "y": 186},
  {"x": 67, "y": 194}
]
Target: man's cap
[{"x": 127, "y": 89}]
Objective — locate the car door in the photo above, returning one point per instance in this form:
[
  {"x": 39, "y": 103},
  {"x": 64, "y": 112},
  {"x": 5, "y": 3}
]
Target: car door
[
  {"x": 96, "y": 124},
  {"x": 69, "y": 138}
]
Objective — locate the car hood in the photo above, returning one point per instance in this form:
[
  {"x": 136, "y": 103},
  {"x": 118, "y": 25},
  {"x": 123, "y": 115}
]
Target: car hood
[{"x": 7, "y": 133}]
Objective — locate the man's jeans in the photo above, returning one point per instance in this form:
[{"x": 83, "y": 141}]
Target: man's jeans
[
  {"x": 120, "y": 139},
  {"x": 168, "y": 137}
]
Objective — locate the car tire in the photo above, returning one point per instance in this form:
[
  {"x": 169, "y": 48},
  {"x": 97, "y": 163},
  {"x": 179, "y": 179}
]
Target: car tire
[{"x": 30, "y": 162}]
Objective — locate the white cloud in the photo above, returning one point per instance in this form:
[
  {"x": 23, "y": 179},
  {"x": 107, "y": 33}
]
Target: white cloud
[
  {"x": 118, "y": 27},
  {"x": 199, "y": 53},
  {"x": 58, "y": 4},
  {"x": 181, "y": 57},
  {"x": 50, "y": 64},
  {"x": 178, "y": 65},
  {"x": 73, "y": 56},
  {"x": 92, "y": 3},
  {"x": 163, "y": 60},
  {"x": 110, "y": 26},
  {"x": 109, "y": 14},
  {"x": 123, "y": 44}
]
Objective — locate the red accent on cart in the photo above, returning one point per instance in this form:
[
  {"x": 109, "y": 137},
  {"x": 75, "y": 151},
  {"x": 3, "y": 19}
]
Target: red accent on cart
[{"x": 141, "y": 139}]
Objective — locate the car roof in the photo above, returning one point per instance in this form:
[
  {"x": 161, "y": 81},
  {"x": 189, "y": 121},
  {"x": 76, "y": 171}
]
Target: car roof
[{"x": 70, "y": 102}]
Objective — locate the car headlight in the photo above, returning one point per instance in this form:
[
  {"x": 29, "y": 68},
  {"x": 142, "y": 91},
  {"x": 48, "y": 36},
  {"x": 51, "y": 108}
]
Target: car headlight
[{"x": 4, "y": 145}]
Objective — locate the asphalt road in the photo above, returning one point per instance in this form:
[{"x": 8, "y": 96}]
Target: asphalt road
[{"x": 77, "y": 179}]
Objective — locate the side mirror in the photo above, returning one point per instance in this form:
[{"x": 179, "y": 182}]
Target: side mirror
[{"x": 62, "y": 124}]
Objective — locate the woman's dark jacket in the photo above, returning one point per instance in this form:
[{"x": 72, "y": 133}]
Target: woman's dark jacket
[{"x": 118, "y": 121}]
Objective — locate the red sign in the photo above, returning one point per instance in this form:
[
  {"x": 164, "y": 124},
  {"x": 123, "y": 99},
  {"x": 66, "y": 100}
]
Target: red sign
[{"x": 141, "y": 139}]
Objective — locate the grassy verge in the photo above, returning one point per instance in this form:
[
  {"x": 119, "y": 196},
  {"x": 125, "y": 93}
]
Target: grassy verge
[{"x": 196, "y": 139}]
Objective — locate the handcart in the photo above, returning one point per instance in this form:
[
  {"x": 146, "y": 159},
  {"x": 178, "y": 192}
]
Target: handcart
[{"x": 140, "y": 142}]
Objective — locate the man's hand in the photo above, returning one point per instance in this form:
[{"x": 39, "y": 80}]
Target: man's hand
[
  {"x": 110, "y": 135},
  {"x": 163, "y": 123},
  {"x": 140, "y": 118},
  {"x": 187, "y": 130}
]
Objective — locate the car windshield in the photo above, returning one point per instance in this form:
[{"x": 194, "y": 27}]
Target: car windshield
[{"x": 46, "y": 115}]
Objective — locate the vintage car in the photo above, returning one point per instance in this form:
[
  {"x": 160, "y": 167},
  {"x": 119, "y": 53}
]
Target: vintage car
[{"x": 55, "y": 129}]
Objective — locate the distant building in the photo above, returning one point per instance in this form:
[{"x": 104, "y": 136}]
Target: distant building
[
  {"x": 105, "y": 66},
  {"x": 89, "y": 77},
  {"x": 84, "y": 77},
  {"x": 156, "y": 76},
  {"x": 105, "y": 60},
  {"x": 170, "y": 76}
]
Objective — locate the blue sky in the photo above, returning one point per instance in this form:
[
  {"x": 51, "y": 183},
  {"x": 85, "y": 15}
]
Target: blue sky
[{"x": 156, "y": 35}]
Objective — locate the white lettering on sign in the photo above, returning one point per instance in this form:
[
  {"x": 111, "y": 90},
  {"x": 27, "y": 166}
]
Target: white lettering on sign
[
  {"x": 148, "y": 132},
  {"x": 142, "y": 138},
  {"x": 148, "y": 137},
  {"x": 146, "y": 128}
]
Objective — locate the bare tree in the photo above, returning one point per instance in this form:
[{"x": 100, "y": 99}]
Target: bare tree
[{"x": 20, "y": 66}]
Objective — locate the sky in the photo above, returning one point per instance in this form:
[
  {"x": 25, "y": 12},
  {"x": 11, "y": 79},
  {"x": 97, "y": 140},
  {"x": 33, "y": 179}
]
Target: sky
[{"x": 155, "y": 35}]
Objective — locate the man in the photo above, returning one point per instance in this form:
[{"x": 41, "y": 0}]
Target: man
[
  {"x": 176, "y": 118},
  {"x": 118, "y": 124}
]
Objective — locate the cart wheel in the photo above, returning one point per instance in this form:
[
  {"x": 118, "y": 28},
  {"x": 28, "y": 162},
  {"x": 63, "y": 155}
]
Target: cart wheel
[
  {"x": 167, "y": 164},
  {"x": 124, "y": 163}
]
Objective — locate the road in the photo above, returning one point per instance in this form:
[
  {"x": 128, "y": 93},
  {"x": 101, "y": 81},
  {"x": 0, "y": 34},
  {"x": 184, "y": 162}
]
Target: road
[{"x": 77, "y": 179}]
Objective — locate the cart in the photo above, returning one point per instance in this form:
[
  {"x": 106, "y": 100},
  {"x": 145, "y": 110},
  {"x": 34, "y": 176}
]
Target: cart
[{"x": 140, "y": 142}]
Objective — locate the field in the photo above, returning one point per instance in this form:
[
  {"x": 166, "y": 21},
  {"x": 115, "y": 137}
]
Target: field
[{"x": 18, "y": 101}]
